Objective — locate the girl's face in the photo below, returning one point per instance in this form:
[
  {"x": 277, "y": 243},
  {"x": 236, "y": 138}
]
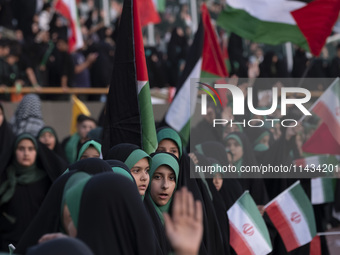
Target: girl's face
[
  {"x": 68, "y": 223},
  {"x": 163, "y": 184},
  {"x": 90, "y": 152},
  {"x": 167, "y": 145},
  {"x": 48, "y": 139},
  {"x": 25, "y": 153},
  {"x": 218, "y": 181},
  {"x": 235, "y": 148},
  {"x": 140, "y": 171}
]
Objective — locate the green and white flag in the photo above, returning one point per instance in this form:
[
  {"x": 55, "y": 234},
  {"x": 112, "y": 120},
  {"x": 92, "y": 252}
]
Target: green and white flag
[
  {"x": 322, "y": 190},
  {"x": 248, "y": 231},
  {"x": 292, "y": 214}
]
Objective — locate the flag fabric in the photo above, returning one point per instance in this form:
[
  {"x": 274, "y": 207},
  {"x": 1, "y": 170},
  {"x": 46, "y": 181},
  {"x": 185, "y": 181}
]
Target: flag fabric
[
  {"x": 204, "y": 59},
  {"x": 78, "y": 108},
  {"x": 327, "y": 107},
  {"x": 315, "y": 246},
  {"x": 148, "y": 14},
  {"x": 292, "y": 214},
  {"x": 305, "y": 23},
  {"x": 322, "y": 142},
  {"x": 323, "y": 162},
  {"x": 248, "y": 231},
  {"x": 129, "y": 114},
  {"x": 68, "y": 9},
  {"x": 322, "y": 190}
]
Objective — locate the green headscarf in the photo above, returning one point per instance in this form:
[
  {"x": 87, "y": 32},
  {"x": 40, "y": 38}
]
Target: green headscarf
[
  {"x": 45, "y": 130},
  {"x": 18, "y": 174},
  {"x": 168, "y": 133},
  {"x": 158, "y": 160},
  {"x": 135, "y": 156},
  {"x": 71, "y": 148},
  {"x": 260, "y": 146},
  {"x": 121, "y": 171},
  {"x": 86, "y": 145},
  {"x": 74, "y": 194}
]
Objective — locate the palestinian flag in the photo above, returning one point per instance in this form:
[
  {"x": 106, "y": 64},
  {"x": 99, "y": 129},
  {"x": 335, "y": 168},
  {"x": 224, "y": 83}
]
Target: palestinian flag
[
  {"x": 302, "y": 22},
  {"x": 248, "y": 231},
  {"x": 68, "y": 9},
  {"x": 148, "y": 14},
  {"x": 292, "y": 214},
  {"x": 129, "y": 115},
  {"x": 204, "y": 59},
  {"x": 322, "y": 190}
]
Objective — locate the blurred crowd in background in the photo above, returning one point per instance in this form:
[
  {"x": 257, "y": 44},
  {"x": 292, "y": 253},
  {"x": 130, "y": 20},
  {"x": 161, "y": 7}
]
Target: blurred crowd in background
[{"x": 34, "y": 49}]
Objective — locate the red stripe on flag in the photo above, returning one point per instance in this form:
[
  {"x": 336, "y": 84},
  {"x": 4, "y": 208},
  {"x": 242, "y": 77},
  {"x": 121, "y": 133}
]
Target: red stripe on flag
[
  {"x": 239, "y": 244},
  {"x": 64, "y": 10},
  {"x": 212, "y": 60},
  {"x": 141, "y": 70},
  {"x": 282, "y": 225},
  {"x": 328, "y": 117},
  {"x": 315, "y": 246}
]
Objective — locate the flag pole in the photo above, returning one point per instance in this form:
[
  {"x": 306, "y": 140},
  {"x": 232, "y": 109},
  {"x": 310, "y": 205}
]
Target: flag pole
[{"x": 329, "y": 233}]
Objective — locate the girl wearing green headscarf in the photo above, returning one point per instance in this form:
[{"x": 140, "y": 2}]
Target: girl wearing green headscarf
[
  {"x": 169, "y": 141},
  {"x": 164, "y": 177},
  {"x": 90, "y": 149}
]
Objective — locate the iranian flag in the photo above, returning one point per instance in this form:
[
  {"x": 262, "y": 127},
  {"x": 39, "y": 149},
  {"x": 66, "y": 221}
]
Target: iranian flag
[
  {"x": 305, "y": 23},
  {"x": 204, "y": 59},
  {"x": 292, "y": 214},
  {"x": 248, "y": 231},
  {"x": 129, "y": 114},
  {"x": 327, "y": 107},
  {"x": 322, "y": 190},
  {"x": 68, "y": 9}
]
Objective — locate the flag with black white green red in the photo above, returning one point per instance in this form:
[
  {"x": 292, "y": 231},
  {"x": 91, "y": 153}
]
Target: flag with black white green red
[
  {"x": 305, "y": 23},
  {"x": 248, "y": 231},
  {"x": 205, "y": 60},
  {"x": 129, "y": 114},
  {"x": 292, "y": 214}
]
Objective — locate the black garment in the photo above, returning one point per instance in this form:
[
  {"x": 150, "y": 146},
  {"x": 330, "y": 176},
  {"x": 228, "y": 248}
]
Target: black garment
[
  {"x": 272, "y": 66},
  {"x": 65, "y": 246},
  {"x": 57, "y": 148},
  {"x": 47, "y": 219},
  {"x": 204, "y": 132},
  {"x": 177, "y": 50},
  {"x": 256, "y": 186},
  {"x": 19, "y": 211},
  {"x": 117, "y": 163},
  {"x": 121, "y": 151},
  {"x": 335, "y": 67},
  {"x": 6, "y": 138},
  {"x": 112, "y": 218}
]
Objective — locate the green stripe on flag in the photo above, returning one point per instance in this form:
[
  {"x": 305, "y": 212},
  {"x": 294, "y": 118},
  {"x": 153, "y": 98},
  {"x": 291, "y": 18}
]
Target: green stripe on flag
[
  {"x": 242, "y": 23},
  {"x": 303, "y": 202},
  {"x": 249, "y": 207},
  {"x": 149, "y": 136}
]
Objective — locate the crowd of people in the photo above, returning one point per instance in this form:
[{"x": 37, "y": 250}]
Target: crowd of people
[{"x": 70, "y": 197}]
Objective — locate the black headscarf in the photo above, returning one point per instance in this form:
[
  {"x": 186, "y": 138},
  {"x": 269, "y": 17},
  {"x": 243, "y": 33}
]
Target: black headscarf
[
  {"x": 112, "y": 218},
  {"x": 65, "y": 246},
  {"x": 47, "y": 219},
  {"x": 118, "y": 167},
  {"x": 57, "y": 148},
  {"x": 91, "y": 166}
]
